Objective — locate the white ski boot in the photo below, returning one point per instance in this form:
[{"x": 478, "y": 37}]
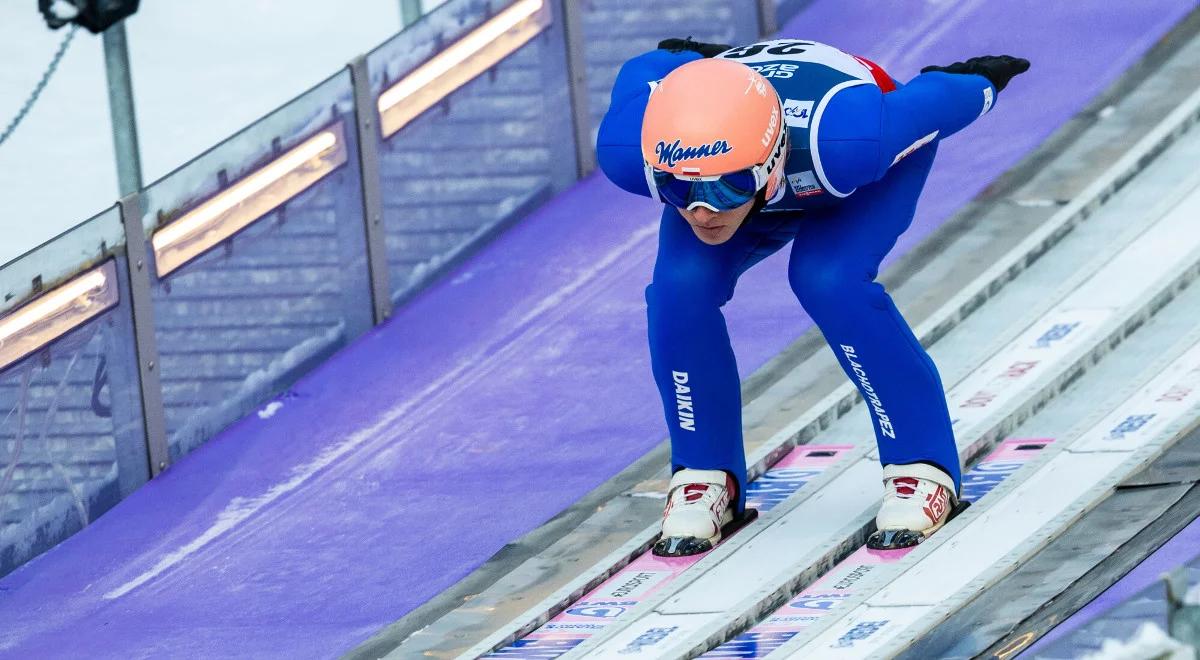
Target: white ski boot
[
  {"x": 918, "y": 499},
  {"x": 698, "y": 507}
]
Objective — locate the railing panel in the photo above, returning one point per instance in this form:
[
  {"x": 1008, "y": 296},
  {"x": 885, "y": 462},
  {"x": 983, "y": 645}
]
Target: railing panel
[
  {"x": 258, "y": 262},
  {"x": 500, "y": 143},
  {"x": 616, "y": 30},
  {"x": 71, "y": 437}
]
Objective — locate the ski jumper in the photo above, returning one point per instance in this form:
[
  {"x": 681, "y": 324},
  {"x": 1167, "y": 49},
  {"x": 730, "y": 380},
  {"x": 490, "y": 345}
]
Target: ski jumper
[{"x": 861, "y": 146}]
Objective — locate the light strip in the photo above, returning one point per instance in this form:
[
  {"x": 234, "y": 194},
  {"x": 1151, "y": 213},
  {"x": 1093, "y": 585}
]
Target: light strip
[
  {"x": 456, "y": 65},
  {"x": 48, "y": 317},
  {"x": 248, "y": 200}
]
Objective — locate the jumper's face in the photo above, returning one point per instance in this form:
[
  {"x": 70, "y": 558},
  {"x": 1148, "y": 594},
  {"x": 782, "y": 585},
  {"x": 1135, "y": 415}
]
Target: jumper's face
[{"x": 716, "y": 227}]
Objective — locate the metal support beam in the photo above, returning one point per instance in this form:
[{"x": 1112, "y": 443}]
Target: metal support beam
[
  {"x": 120, "y": 105},
  {"x": 768, "y": 19},
  {"x": 143, "y": 332},
  {"x": 367, "y": 121},
  {"x": 410, "y": 11},
  {"x": 581, "y": 117}
]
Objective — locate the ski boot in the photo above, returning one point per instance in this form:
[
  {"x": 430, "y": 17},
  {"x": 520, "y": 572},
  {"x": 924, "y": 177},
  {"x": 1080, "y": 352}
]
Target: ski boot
[
  {"x": 698, "y": 507},
  {"x": 918, "y": 500}
]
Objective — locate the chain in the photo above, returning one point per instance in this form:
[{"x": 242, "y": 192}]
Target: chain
[{"x": 37, "y": 90}]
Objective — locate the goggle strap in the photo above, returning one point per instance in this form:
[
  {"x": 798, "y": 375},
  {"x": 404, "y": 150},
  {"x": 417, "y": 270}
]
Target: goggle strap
[{"x": 650, "y": 183}]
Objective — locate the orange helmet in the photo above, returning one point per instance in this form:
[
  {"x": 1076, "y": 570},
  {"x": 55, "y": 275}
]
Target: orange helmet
[{"x": 713, "y": 135}]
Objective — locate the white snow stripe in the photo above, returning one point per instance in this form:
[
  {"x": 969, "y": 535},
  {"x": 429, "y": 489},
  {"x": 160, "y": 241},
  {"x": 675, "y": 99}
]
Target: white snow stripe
[{"x": 241, "y": 509}]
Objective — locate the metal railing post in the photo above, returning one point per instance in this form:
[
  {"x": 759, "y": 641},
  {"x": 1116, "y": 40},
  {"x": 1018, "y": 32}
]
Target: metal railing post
[
  {"x": 367, "y": 120},
  {"x": 410, "y": 12},
  {"x": 768, "y": 18},
  {"x": 142, "y": 308},
  {"x": 120, "y": 106},
  {"x": 581, "y": 116}
]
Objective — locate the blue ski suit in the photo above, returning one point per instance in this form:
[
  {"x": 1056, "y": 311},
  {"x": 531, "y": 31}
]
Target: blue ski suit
[{"x": 861, "y": 146}]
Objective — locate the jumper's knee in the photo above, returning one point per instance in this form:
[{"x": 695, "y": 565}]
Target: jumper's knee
[
  {"x": 688, "y": 288},
  {"x": 826, "y": 286}
]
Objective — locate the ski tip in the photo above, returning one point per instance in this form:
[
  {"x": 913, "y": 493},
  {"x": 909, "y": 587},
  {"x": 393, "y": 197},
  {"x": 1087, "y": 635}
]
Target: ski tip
[
  {"x": 894, "y": 539},
  {"x": 681, "y": 546},
  {"x": 898, "y": 539}
]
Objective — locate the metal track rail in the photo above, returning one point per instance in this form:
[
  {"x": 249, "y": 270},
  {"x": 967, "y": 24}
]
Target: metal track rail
[
  {"x": 990, "y": 540},
  {"x": 1103, "y": 388}
]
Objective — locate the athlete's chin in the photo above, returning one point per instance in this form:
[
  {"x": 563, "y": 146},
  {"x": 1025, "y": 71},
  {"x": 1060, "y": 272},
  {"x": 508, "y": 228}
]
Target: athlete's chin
[{"x": 714, "y": 236}]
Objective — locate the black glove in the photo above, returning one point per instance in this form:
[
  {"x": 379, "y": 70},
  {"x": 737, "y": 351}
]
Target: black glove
[
  {"x": 679, "y": 45},
  {"x": 998, "y": 69}
]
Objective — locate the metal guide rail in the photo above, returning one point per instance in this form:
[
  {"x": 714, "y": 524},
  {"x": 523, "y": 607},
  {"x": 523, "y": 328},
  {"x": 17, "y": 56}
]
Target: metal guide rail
[
  {"x": 1102, "y": 389},
  {"x": 1068, "y": 337},
  {"x": 646, "y": 574},
  {"x": 744, "y": 577},
  {"x": 990, "y": 540},
  {"x": 840, "y": 582}
]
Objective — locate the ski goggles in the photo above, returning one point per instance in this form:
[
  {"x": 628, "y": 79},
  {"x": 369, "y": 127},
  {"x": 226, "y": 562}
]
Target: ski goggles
[{"x": 717, "y": 193}]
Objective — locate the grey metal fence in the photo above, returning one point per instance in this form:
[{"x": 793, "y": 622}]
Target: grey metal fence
[
  {"x": 72, "y": 431},
  {"x": 133, "y": 338}
]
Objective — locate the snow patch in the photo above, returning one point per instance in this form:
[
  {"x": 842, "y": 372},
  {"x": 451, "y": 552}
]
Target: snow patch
[
  {"x": 256, "y": 386},
  {"x": 269, "y": 411},
  {"x": 1150, "y": 641}
]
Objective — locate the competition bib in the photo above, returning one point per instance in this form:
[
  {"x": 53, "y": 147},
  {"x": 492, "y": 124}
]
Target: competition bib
[{"x": 806, "y": 74}]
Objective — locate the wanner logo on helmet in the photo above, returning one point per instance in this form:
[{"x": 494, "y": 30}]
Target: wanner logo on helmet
[{"x": 668, "y": 154}]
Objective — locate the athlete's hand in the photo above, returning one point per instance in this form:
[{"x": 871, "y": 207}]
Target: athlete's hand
[
  {"x": 998, "y": 69},
  {"x": 707, "y": 50}
]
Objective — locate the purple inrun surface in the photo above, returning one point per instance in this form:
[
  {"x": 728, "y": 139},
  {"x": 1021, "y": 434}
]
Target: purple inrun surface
[
  {"x": 1182, "y": 547},
  {"x": 499, "y": 396}
]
